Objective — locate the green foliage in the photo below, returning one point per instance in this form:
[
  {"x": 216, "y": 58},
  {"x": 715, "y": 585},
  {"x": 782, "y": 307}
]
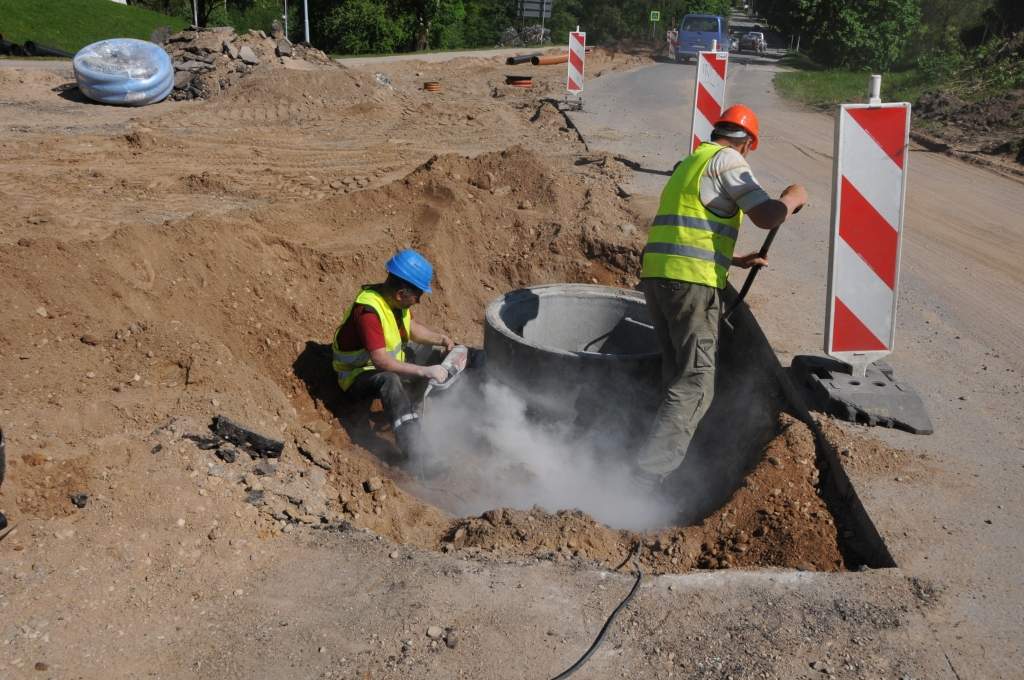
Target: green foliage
[
  {"x": 868, "y": 34},
  {"x": 72, "y": 24},
  {"x": 361, "y": 27},
  {"x": 840, "y": 33}
]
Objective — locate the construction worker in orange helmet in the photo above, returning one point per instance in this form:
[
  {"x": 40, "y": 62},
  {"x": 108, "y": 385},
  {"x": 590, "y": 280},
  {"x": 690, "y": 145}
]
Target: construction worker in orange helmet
[{"x": 685, "y": 267}]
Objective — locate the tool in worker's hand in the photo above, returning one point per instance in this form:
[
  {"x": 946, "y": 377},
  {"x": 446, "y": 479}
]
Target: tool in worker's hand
[
  {"x": 455, "y": 363},
  {"x": 753, "y": 273}
]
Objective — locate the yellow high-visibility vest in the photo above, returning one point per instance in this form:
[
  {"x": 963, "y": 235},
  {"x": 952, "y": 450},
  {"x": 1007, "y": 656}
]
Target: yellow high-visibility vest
[
  {"x": 350, "y": 365},
  {"x": 688, "y": 242}
]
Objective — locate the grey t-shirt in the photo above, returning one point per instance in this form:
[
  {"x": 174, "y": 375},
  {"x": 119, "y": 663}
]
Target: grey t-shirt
[{"x": 728, "y": 184}]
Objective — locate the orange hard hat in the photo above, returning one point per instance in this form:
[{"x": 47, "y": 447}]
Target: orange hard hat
[{"x": 744, "y": 117}]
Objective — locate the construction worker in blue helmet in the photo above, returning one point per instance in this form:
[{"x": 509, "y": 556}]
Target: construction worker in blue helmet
[{"x": 369, "y": 348}]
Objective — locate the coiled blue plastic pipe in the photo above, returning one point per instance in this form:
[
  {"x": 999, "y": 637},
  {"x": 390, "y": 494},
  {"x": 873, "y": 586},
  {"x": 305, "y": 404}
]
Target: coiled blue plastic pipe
[{"x": 124, "y": 71}]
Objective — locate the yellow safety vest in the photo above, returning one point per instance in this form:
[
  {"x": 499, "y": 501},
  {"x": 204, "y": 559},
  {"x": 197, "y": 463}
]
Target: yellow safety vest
[
  {"x": 350, "y": 365},
  {"x": 688, "y": 242}
]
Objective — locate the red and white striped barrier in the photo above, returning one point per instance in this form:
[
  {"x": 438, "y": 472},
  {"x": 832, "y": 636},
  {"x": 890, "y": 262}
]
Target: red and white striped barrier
[
  {"x": 869, "y": 192},
  {"x": 577, "y": 59},
  {"x": 708, "y": 94}
]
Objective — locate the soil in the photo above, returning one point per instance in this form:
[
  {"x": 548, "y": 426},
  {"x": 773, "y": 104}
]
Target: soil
[
  {"x": 192, "y": 259},
  {"x": 992, "y": 127}
]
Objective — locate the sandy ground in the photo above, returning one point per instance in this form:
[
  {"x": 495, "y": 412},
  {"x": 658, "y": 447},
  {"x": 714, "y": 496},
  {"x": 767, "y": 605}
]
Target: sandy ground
[
  {"x": 958, "y": 342},
  {"x": 172, "y": 263}
]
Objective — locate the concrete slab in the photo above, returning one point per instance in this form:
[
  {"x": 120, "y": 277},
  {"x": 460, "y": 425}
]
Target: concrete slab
[{"x": 876, "y": 399}]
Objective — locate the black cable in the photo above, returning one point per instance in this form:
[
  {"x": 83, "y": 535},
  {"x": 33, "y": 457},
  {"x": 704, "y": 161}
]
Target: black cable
[{"x": 608, "y": 623}]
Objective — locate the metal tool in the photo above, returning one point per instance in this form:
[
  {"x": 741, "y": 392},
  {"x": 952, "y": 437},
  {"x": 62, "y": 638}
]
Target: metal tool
[
  {"x": 750, "y": 276},
  {"x": 455, "y": 363},
  {"x": 753, "y": 273}
]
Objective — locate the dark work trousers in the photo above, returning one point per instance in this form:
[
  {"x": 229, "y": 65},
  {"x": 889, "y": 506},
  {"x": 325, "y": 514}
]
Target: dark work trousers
[
  {"x": 396, "y": 397},
  {"x": 685, "y": 317}
]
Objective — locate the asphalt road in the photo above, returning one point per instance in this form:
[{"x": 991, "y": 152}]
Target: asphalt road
[{"x": 959, "y": 337}]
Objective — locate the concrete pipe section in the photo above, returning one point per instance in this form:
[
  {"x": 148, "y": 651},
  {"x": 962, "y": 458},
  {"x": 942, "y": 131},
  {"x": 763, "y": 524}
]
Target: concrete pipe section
[{"x": 588, "y": 355}]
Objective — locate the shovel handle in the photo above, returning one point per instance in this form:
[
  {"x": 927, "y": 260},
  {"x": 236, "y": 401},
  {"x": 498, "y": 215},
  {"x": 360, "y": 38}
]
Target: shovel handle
[{"x": 752, "y": 275}]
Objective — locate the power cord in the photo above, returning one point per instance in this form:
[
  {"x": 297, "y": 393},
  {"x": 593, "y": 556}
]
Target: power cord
[{"x": 608, "y": 623}]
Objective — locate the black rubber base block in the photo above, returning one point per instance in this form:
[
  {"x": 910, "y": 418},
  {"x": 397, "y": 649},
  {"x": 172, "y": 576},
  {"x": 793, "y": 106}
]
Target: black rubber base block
[{"x": 875, "y": 399}]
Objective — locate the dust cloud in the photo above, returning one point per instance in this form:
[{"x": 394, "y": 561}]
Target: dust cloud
[{"x": 487, "y": 450}]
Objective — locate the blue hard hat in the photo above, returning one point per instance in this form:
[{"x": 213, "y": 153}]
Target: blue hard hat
[{"x": 412, "y": 268}]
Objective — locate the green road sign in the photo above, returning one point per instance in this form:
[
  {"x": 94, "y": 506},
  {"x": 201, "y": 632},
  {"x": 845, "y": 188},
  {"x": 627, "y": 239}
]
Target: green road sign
[{"x": 655, "y": 15}]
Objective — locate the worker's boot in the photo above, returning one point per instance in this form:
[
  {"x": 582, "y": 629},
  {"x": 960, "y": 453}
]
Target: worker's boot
[{"x": 409, "y": 437}]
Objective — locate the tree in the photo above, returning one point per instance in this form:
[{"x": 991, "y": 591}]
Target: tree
[
  {"x": 359, "y": 27},
  {"x": 866, "y": 34}
]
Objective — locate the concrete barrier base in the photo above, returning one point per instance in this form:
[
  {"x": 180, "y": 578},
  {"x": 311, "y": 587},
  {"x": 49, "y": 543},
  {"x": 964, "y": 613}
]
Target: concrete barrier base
[{"x": 876, "y": 399}]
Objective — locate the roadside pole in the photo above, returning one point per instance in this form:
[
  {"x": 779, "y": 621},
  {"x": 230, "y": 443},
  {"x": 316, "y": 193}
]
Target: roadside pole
[
  {"x": 708, "y": 93},
  {"x": 869, "y": 186},
  {"x": 305, "y": 18},
  {"x": 655, "y": 18}
]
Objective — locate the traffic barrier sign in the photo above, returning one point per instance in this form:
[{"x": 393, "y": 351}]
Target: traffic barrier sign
[
  {"x": 708, "y": 94},
  {"x": 577, "y": 59},
  {"x": 868, "y": 196}
]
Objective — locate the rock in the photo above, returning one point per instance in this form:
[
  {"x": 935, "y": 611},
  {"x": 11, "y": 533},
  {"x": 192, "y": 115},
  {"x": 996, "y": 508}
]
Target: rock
[
  {"x": 191, "y": 65},
  {"x": 228, "y": 454},
  {"x": 40, "y": 666},
  {"x": 89, "y": 339},
  {"x": 373, "y": 484},
  {"x": 393, "y": 555},
  {"x": 248, "y": 56},
  {"x": 314, "y": 450},
  {"x": 265, "y": 468},
  {"x": 229, "y": 49},
  {"x": 284, "y": 48},
  {"x": 79, "y": 500},
  {"x": 382, "y": 79},
  {"x": 451, "y": 639},
  {"x": 435, "y": 632},
  {"x": 502, "y": 191},
  {"x": 276, "y": 30},
  {"x": 525, "y": 205},
  {"x": 41, "y": 311},
  {"x": 160, "y": 35}
]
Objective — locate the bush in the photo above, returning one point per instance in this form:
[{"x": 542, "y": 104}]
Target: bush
[
  {"x": 870, "y": 34},
  {"x": 361, "y": 27}
]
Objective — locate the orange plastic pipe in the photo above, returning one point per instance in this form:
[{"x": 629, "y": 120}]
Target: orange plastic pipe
[{"x": 550, "y": 59}]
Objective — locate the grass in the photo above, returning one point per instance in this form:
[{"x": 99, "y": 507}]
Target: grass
[
  {"x": 812, "y": 84},
  {"x": 72, "y": 24}
]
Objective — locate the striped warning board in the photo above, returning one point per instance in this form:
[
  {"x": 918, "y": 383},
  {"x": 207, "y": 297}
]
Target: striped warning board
[
  {"x": 577, "y": 59},
  {"x": 708, "y": 94},
  {"x": 868, "y": 195}
]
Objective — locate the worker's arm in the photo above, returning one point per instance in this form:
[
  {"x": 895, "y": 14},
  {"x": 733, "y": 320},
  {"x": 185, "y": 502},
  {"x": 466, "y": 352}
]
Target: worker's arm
[
  {"x": 772, "y": 213},
  {"x": 385, "y": 362},
  {"x": 422, "y": 334}
]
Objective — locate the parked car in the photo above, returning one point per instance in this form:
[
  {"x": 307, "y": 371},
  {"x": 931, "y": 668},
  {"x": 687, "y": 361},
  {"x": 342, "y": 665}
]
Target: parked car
[
  {"x": 698, "y": 32},
  {"x": 754, "y": 42}
]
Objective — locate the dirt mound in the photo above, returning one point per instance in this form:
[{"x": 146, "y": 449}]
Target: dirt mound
[
  {"x": 992, "y": 126},
  {"x": 209, "y": 61},
  {"x": 777, "y": 519},
  {"x": 231, "y": 314}
]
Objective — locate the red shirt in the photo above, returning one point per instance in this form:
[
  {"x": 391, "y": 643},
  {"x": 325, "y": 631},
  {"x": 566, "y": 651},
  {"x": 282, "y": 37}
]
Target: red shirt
[{"x": 363, "y": 330}]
